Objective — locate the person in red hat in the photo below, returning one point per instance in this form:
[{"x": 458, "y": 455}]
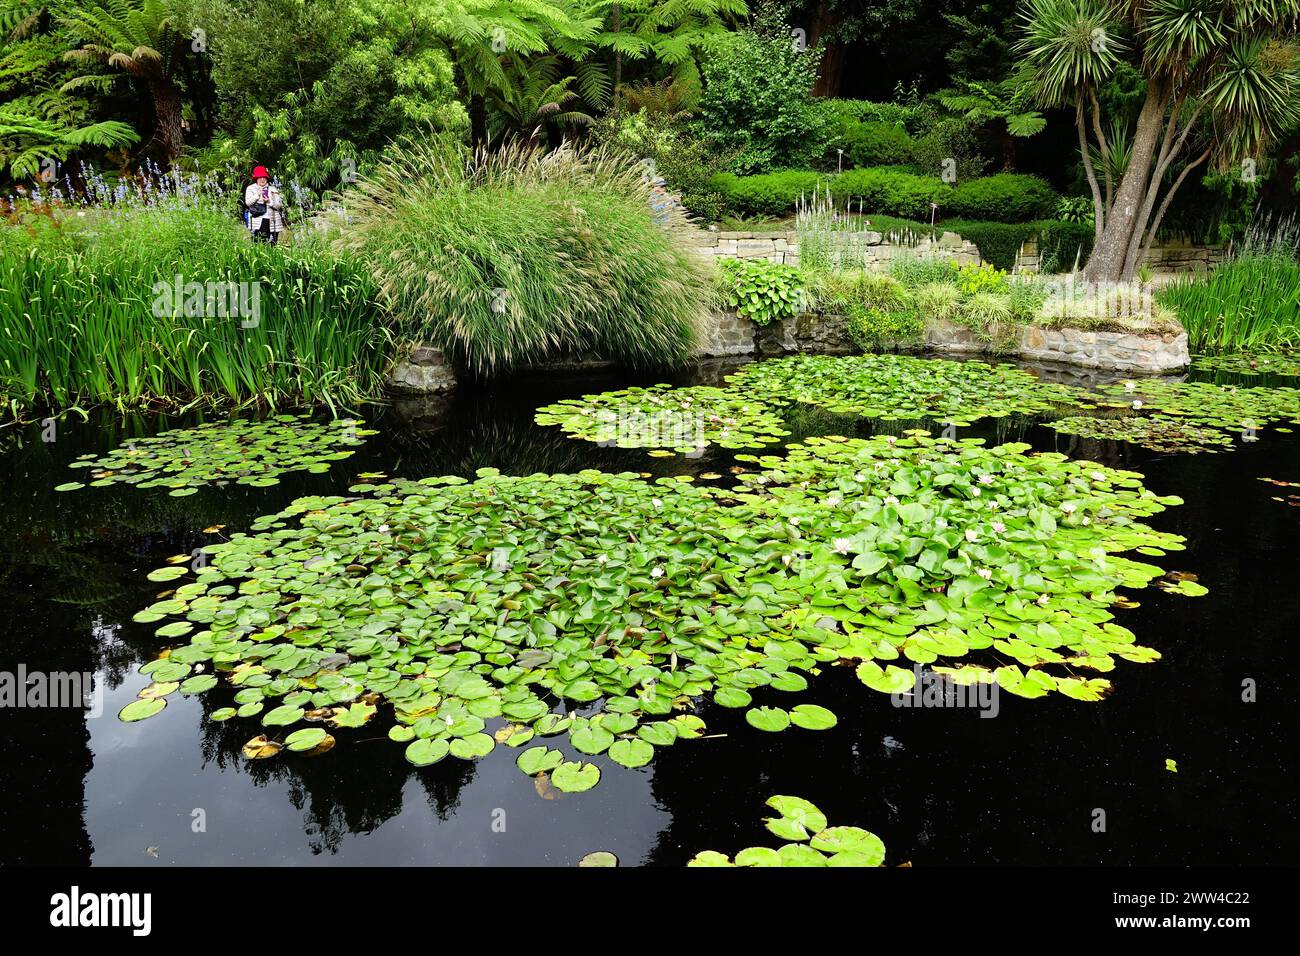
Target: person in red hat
[{"x": 264, "y": 206}]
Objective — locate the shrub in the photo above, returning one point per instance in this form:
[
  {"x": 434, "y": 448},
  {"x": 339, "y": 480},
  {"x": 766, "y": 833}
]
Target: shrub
[
  {"x": 762, "y": 291},
  {"x": 890, "y": 191},
  {"x": 1004, "y": 197},
  {"x": 518, "y": 256},
  {"x": 877, "y": 144},
  {"x": 973, "y": 279},
  {"x": 757, "y": 103},
  {"x": 771, "y": 194},
  {"x": 685, "y": 162},
  {"x": 1063, "y": 246},
  {"x": 872, "y": 328}
]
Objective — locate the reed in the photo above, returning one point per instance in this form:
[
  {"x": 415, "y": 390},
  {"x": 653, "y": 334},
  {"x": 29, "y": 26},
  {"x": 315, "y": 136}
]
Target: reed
[
  {"x": 81, "y": 322},
  {"x": 1249, "y": 303}
]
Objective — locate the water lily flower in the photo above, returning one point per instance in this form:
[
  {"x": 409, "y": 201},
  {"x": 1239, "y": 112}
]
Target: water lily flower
[
  {"x": 834, "y": 501},
  {"x": 1137, "y": 403},
  {"x": 656, "y": 572},
  {"x": 891, "y": 500},
  {"x": 1069, "y": 508},
  {"x": 602, "y": 558},
  {"x": 971, "y": 535},
  {"x": 1096, "y": 476},
  {"x": 998, "y": 527},
  {"x": 842, "y": 545},
  {"x": 1130, "y": 386},
  {"x": 890, "y": 439},
  {"x": 975, "y": 493},
  {"x": 985, "y": 573},
  {"x": 656, "y": 502},
  {"x": 794, "y": 520},
  {"x": 986, "y": 479},
  {"x": 1042, "y": 600}
]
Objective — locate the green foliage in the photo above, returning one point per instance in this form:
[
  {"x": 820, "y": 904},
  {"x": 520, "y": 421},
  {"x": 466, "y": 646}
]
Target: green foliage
[
  {"x": 767, "y": 194},
  {"x": 762, "y": 291},
  {"x": 1003, "y": 197},
  {"x": 519, "y": 256},
  {"x": 891, "y": 191},
  {"x": 877, "y": 144},
  {"x": 687, "y": 164},
  {"x": 81, "y": 323},
  {"x": 757, "y": 103},
  {"x": 881, "y": 311},
  {"x": 1247, "y": 303},
  {"x": 318, "y": 94},
  {"x": 972, "y": 279}
]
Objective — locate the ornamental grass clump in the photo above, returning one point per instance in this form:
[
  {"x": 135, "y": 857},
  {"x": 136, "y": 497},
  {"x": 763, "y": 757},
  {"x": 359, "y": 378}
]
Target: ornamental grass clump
[{"x": 521, "y": 256}]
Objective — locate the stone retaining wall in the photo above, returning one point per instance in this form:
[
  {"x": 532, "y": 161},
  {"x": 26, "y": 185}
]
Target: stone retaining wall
[
  {"x": 1171, "y": 257},
  {"x": 783, "y": 247},
  {"x": 878, "y": 252},
  {"x": 726, "y": 335}
]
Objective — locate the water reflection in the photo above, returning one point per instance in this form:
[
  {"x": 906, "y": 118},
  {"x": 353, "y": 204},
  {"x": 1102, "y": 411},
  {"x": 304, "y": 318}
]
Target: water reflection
[{"x": 78, "y": 790}]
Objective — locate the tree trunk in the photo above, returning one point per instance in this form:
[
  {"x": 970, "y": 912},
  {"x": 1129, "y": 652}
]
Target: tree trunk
[
  {"x": 830, "y": 71},
  {"x": 1110, "y": 254},
  {"x": 477, "y": 120},
  {"x": 1008, "y": 152},
  {"x": 167, "y": 109}
]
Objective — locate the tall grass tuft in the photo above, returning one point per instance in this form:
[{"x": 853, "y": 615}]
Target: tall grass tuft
[
  {"x": 520, "y": 256},
  {"x": 1250, "y": 302}
]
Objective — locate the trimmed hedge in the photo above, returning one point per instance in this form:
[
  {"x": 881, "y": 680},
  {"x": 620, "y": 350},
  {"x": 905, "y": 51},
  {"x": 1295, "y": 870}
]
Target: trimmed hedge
[
  {"x": 877, "y": 144},
  {"x": 999, "y": 242},
  {"x": 769, "y": 194},
  {"x": 1004, "y": 197},
  {"x": 891, "y": 191}
]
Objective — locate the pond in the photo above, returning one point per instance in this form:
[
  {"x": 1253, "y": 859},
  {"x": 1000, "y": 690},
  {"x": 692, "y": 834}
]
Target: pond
[{"x": 939, "y": 785}]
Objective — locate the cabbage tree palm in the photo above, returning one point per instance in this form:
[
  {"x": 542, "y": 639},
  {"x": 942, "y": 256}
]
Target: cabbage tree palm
[{"x": 1222, "y": 81}]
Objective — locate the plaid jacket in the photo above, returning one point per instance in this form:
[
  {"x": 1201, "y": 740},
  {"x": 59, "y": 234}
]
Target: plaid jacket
[{"x": 274, "y": 208}]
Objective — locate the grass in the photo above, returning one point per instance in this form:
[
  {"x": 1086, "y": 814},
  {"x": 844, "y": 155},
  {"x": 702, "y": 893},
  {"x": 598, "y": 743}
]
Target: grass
[
  {"x": 1250, "y": 303},
  {"x": 519, "y": 257},
  {"x": 81, "y": 322}
]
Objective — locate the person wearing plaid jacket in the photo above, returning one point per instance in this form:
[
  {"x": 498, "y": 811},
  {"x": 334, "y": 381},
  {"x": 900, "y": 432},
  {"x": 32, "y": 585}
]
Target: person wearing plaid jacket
[{"x": 263, "y": 198}]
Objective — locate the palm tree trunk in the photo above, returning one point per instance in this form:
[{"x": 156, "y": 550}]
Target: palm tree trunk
[
  {"x": 167, "y": 109},
  {"x": 1110, "y": 255}
]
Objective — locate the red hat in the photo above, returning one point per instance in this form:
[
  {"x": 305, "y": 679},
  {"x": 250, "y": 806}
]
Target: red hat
[{"x": 259, "y": 172}]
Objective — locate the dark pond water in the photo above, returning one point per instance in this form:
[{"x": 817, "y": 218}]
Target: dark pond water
[{"x": 940, "y": 785}]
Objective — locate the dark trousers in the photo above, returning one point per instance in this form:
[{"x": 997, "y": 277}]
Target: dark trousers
[{"x": 264, "y": 234}]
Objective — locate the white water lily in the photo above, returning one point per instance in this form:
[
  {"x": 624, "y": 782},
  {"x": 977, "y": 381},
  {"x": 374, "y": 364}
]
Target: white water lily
[
  {"x": 998, "y": 527},
  {"x": 985, "y": 573},
  {"x": 891, "y": 500},
  {"x": 842, "y": 545},
  {"x": 656, "y": 572},
  {"x": 971, "y": 535}
]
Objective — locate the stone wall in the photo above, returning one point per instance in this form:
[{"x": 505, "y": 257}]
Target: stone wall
[
  {"x": 878, "y": 252},
  {"x": 1167, "y": 258},
  {"x": 726, "y": 335},
  {"x": 817, "y": 334},
  {"x": 1120, "y": 351},
  {"x": 783, "y": 247}
]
